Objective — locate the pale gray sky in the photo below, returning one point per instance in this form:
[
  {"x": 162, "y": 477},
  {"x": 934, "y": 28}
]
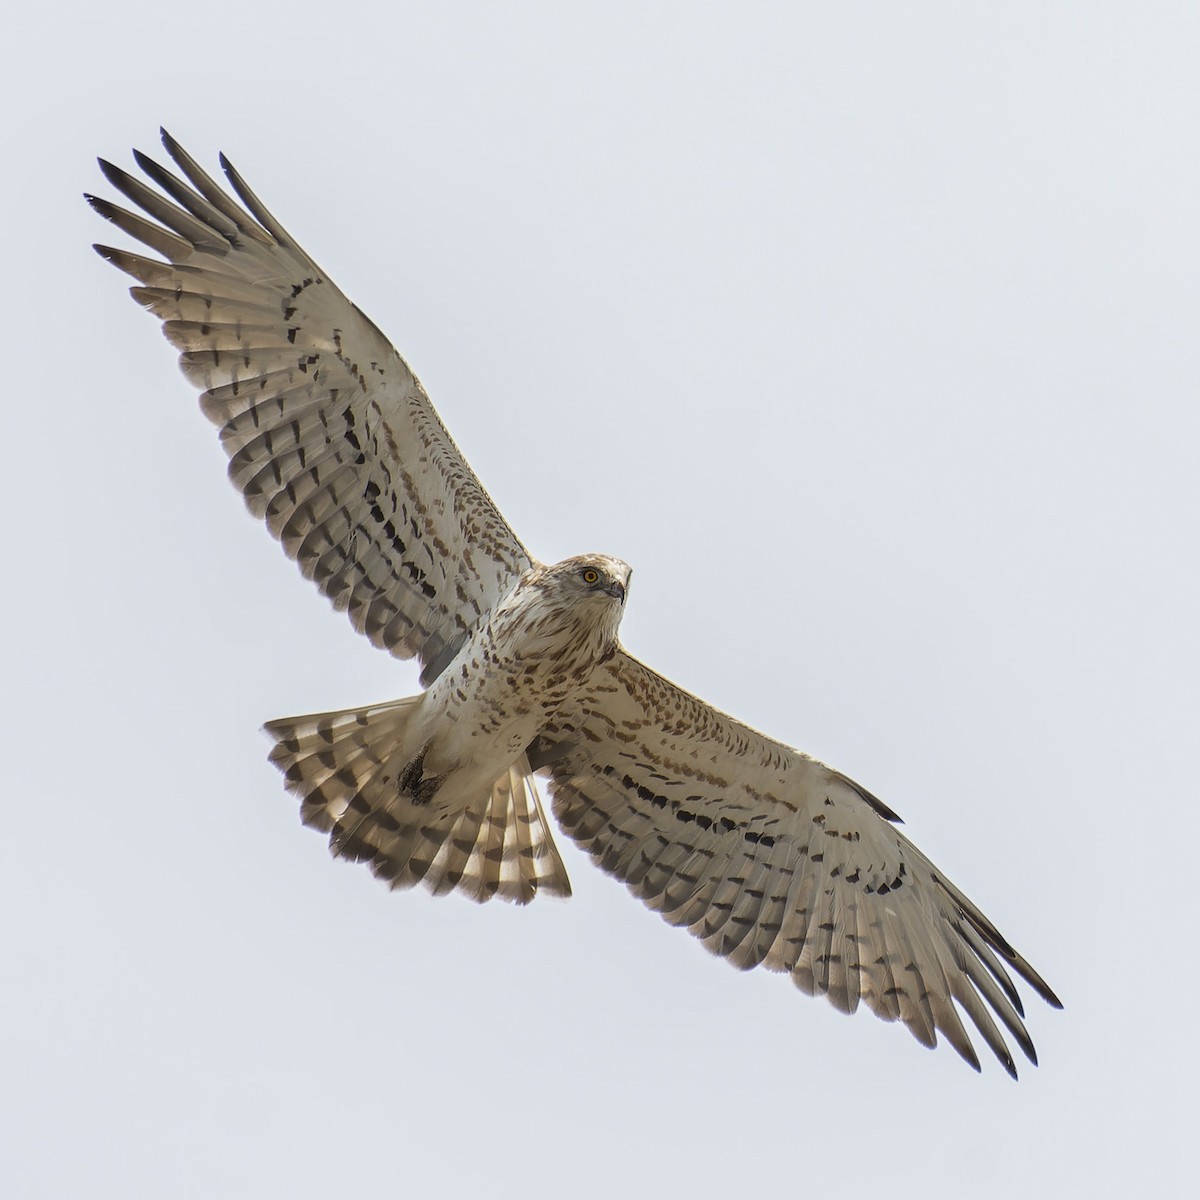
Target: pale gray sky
[{"x": 867, "y": 334}]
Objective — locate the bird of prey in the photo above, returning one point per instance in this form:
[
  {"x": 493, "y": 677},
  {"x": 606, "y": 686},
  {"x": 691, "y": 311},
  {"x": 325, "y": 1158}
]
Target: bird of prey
[{"x": 768, "y": 856}]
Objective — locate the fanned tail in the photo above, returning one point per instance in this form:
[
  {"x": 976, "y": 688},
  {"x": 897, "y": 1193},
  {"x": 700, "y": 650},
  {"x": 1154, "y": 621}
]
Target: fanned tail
[{"x": 358, "y": 782}]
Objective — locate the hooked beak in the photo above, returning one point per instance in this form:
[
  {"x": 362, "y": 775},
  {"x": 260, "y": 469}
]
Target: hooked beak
[{"x": 617, "y": 589}]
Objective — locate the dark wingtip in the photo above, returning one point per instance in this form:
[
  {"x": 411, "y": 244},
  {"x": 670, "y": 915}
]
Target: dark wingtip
[
  {"x": 1038, "y": 984},
  {"x": 169, "y": 143},
  {"x": 874, "y": 801},
  {"x": 112, "y": 172}
]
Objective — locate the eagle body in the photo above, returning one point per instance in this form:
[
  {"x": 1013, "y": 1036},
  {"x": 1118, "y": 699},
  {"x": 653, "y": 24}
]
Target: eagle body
[
  {"x": 537, "y": 646},
  {"x": 766, "y": 855}
]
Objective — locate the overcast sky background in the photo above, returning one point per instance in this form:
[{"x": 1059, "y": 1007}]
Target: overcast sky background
[{"x": 867, "y": 334}]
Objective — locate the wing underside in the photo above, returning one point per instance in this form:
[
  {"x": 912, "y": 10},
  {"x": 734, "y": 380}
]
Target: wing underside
[
  {"x": 331, "y": 439},
  {"x": 772, "y": 859}
]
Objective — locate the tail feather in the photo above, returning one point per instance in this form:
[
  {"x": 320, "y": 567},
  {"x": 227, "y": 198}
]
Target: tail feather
[
  {"x": 527, "y": 820},
  {"x": 503, "y": 846},
  {"x": 453, "y": 860},
  {"x": 347, "y": 768},
  {"x": 328, "y": 758}
]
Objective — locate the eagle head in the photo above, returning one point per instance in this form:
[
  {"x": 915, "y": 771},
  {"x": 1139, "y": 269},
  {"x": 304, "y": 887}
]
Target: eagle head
[{"x": 593, "y": 577}]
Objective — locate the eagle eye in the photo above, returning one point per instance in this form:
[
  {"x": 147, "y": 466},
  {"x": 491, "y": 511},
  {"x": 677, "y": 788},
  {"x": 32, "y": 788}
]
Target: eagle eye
[{"x": 590, "y": 576}]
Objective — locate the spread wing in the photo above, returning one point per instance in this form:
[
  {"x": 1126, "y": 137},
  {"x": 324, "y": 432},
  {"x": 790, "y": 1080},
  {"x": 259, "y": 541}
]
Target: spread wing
[
  {"x": 772, "y": 858},
  {"x": 330, "y": 437}
]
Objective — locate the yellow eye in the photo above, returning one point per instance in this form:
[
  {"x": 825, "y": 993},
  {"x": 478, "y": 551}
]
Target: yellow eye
[{"x": 590, "y": 576}]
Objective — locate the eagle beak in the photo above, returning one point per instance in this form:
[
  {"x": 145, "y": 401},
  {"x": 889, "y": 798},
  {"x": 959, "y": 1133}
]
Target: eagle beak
[{"x": 616, "y": 588}]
